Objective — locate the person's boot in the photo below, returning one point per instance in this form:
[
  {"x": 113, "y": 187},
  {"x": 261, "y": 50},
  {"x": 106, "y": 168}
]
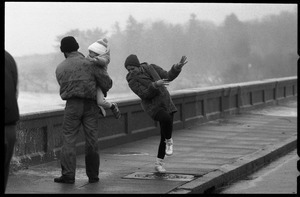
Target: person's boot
[
  {"x": 64, "y": 179},
  {"x": 93, "y": 180},
  {"x": 116, "y": 110}
]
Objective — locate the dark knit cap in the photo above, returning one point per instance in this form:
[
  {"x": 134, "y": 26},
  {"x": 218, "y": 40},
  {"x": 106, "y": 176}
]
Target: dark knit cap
[
  {"x": 68, "y": 44},
  {"x": 132, "y": 60}
]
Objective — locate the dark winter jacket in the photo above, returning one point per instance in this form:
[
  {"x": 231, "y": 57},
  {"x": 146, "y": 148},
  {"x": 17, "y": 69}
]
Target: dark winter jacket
[
  {"x": 11, "y": 83},
  {"x": 78, "y": 78},
  {"x": 153, "y": 99}
]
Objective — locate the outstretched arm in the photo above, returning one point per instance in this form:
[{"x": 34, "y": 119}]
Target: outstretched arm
[{"x": 172, "y": 73}]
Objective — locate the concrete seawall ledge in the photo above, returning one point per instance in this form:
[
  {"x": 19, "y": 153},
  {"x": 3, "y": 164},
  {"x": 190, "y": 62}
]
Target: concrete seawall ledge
[{"x": 39, "y": 136}]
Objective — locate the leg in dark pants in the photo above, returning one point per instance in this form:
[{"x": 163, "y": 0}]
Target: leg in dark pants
[
  {"x": 70, "y": 129},
  {"x": 166, "y": 127},
  {"x": 90, "y": 128},
  {"x": 10, "y": 139}
]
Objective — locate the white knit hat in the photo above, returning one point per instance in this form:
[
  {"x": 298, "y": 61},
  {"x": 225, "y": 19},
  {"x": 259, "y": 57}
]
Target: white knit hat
[{"x": 99, "y": 47}]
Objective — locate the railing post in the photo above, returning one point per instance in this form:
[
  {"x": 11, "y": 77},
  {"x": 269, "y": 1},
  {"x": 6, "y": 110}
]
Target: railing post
[
  {"x": 128, "y": 123},
  {"x": 239, "y": 98},
  {"x": 224, "y": 94},
  {"x": 183, "y": 115},
  {"x": 276, "y": 91},
  {"x": 204, "y": 107}
]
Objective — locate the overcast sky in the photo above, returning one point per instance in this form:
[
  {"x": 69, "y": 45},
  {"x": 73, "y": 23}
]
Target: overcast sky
[{"x": 32, "y": 27}]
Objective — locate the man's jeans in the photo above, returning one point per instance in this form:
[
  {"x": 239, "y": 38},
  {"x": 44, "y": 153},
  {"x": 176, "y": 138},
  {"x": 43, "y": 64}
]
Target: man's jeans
[{"x": 80, "y": 112}]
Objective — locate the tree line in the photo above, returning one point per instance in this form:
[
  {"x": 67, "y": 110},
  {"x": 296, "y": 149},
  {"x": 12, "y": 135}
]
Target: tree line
[{"x": 232, "y": 52}]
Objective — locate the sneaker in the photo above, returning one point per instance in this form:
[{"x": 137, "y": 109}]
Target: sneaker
[
  {"x": 159, "y": 166},
  {"x": 63, "y": 179},
  {"x": 169, "y": 147},
  {"x": 160, "y": 169},
  {"x": 93, "y": 180},
  {"x": 102, "y": 111},
  {"x": 116, "y": 111}
]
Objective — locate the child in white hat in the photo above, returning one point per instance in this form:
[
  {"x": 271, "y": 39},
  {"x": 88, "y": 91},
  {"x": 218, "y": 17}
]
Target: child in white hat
[{"x": 99, "y": 53}]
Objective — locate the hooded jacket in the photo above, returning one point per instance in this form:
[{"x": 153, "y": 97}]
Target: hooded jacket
[
  {"x": 153, "y": 98},
  {"x": 78, "y": 77}
]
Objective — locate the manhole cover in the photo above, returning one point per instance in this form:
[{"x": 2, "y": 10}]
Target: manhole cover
[{"x": 160, "y": 176}]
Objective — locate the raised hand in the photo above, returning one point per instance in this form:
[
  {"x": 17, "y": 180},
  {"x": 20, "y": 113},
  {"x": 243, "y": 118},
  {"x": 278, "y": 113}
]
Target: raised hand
[
  {"x": 182, "y": 62},
  {"x": 162, "y": 82}
]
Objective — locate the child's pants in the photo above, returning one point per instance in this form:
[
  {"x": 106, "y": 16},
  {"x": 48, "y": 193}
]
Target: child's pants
[
  {"x": 166, "y": 127},
  {"x": 101, "y": 100}
]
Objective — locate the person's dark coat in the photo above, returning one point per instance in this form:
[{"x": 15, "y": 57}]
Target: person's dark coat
[
  {"x": 11, "y": 83},
  {"x": 153, "y": 99},
  {"x": 78, "y": 78}
]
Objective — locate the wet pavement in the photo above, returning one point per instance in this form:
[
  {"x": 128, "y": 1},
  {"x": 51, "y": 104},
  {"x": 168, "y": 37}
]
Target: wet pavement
[
  {"x": 278, "y": 177},
  {"x": 205, "y": 157}
]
